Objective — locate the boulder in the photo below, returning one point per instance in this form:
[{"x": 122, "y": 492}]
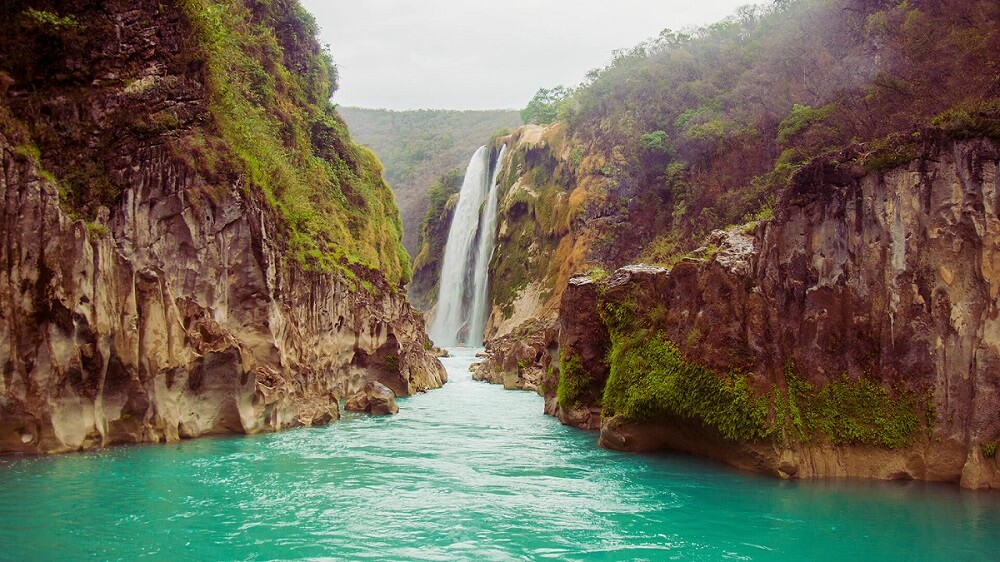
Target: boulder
[{"x": 375, "y": 398}]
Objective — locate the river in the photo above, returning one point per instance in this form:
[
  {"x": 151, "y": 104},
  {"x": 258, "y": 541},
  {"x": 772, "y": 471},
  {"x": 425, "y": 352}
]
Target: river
[{"x": 468, "y": 472}]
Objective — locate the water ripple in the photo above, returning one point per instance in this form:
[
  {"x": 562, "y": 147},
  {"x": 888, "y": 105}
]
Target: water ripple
[{"x": 468, "y": 472}]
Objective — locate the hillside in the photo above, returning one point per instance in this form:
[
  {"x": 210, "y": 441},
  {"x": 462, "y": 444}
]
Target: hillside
[
  {"x": 192, "y": 243},
  {"x": 838, "y": 142},
  {"x": 692, "y": 132},
  {"x": 418, "y": 147}
]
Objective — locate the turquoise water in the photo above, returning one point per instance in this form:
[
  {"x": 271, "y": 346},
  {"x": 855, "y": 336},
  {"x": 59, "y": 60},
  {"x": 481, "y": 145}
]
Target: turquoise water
[{"x": 466, "y": 472}]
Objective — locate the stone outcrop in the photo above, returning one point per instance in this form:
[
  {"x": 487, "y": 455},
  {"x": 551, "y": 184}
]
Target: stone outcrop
[
  {"x": 892, "y": 276},
  {"x": 178, "y": 312},
  {"x": 375, "y": 398},
  {"x": 520, "y": 360},
  {"x": 889, "y": 277}
]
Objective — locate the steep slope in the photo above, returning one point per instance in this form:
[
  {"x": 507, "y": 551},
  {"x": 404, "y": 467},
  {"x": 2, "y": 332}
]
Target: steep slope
[
  {"x": 191, "y": 242},
  {"x": 853, "y": 141},
  {"x": 417, "y": 147},
  {"x": 443, "y": 196},
  {"x": 851, "y": 335}
]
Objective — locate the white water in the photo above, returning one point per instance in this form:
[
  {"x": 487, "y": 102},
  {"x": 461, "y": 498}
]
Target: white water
[
  {"x": 449, "y": 319},
  {"x": 480, "y": 277}
]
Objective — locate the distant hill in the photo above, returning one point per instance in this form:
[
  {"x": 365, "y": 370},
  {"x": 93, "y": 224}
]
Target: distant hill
[{"x": 418, "y": 147}]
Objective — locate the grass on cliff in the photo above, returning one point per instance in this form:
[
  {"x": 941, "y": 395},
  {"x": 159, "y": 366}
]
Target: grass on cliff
[
  {"x": 652, "y": 381},
  {"x": 269, "y": 85},
  {"x": 850, "y": 412}
]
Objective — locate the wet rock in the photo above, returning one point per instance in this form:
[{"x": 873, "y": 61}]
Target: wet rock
[{"x": 375, "y": 398}]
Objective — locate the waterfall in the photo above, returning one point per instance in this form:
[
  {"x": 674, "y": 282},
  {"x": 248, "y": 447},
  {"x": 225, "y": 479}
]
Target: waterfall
[
  {"x": 448, "y": 320},
  {"x": 480, "y": 276},
  {"x": 461, "y": 306}
]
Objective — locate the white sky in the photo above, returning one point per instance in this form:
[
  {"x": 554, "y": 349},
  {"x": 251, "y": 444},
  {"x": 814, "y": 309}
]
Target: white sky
[{"x": 468, "y": 54}]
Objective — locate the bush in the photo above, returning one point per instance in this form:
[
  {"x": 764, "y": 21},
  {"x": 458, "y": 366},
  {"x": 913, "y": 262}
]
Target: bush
[{"x": 989, "y": 449}]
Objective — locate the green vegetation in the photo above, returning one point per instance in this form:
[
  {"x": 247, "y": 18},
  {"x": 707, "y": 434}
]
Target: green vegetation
[
  {"x": 574, "y": 383},
  {"x": 704, "y": 128},
  {"x": 442, "y": 190},
  {"x": 49, "y": 20},
  {"x": 97, "y": 230},
  {"x": 288, "y": 140},
  {"x": 392, "y": 362},
  {"x": 548, "y": 105},
  {"x": 651, "y": 381},
  {"x": 417, "y": 147},
  {"x": 989, "y": 449},
  {"x": 851, "y": 412},
  {"x": 971, "y": 120}
]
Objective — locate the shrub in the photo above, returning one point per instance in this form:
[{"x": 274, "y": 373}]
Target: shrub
[{"x": 989, "y": 449}]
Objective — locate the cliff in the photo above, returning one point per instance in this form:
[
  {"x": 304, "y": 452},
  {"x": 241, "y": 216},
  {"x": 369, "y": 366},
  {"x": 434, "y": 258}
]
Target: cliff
[
  {"x": 434, "y": 228},
  {"x": 854, "y": 334},
  {"x": 191, "y": 242},
  {"x": 844, "y": 329}
]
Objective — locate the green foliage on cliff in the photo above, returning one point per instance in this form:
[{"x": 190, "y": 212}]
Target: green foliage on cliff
[
  {"x": 574, "y": 382},
  {"x": 270, "y": 85},
  {"x": 989, "y": 449},
  {"x": 547, "y": 105},
  {"x": 50, "y": 20},
  {"x": 651, "y": 381},
  {"x": 742, "y": 105},
  {"x": 851, "y": 412}
]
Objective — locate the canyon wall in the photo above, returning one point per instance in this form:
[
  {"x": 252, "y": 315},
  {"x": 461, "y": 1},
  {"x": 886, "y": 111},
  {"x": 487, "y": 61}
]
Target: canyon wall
[
  {"x": 179, "y": 305},
  {"x": 853, "y": 334}
]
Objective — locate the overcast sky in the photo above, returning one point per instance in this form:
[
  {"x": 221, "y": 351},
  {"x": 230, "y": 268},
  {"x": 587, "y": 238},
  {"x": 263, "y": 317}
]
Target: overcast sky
[{"x": 469, "y": 54}]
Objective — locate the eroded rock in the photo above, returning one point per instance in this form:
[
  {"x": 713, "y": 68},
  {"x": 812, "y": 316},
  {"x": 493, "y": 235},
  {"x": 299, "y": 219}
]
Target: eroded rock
[
  {"x": 375, "y": 398},
  {"x": 180, "y": 312},
  {"x": 887, "y": 277}
]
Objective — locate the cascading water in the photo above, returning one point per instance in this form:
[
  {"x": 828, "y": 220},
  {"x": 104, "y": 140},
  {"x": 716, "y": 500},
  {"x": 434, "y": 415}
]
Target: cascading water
[
  {"x": 461, "y": 307},
  {"x": 448, "y": 320},
  {"x": 487, "y": 238}
]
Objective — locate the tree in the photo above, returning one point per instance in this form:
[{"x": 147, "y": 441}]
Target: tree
[{"x": 548, "y": 105}]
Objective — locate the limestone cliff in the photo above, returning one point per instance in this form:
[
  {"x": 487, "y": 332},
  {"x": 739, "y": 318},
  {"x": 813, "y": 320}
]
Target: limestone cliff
[
  {"x": 854, "y": 334},
  {"x": 159, "y": 277}
]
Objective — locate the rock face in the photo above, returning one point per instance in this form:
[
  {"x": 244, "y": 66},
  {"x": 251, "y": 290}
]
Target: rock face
[
  {"x": 521, "y": 360},
  {"x": 178, "y": 313},
  {"x": 883, "y": 279},
  {"x": 375, "y": 398}
]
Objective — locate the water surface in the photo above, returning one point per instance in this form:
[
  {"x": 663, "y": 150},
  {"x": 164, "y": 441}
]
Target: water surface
[{"x": 466, "y": 472}]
